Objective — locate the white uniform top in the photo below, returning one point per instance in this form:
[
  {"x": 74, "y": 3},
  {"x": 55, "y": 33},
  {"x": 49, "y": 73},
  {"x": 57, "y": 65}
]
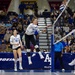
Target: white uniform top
[
  {"x": 31, "y": 29},
  {"x": 62, "y": 6},
  {"x": 15, "y": 40}
]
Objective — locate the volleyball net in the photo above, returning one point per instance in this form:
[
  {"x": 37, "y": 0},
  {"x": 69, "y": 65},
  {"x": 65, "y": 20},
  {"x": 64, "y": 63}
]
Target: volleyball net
[
  {"x": 54, "y": 25},
  {"x": 54, "y": 33}
]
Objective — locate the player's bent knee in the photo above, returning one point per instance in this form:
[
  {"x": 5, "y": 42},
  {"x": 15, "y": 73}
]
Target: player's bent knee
[{"x": 36, "y": 46}]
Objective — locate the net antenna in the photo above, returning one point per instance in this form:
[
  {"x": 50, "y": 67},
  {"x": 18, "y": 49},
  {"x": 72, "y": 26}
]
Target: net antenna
[{"x": 58, "y": 18}]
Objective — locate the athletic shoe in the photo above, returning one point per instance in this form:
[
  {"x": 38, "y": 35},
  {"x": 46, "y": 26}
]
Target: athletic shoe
[
  {"x": 74, "y": 72},
  {"x": 30, "y": 63},
  {"x": 15, "y": 69},
  {"x": 20, "y": 68},
  {"x": 72, "y": 63},
  {"x": 63, "y": 70}
]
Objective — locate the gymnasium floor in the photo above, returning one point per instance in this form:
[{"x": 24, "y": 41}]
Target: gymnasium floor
[{"x": 33, "y": 72}]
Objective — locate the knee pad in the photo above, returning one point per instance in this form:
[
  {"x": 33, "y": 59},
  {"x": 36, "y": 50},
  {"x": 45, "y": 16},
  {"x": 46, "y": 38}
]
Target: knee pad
[{"x": 37, "y": 48}]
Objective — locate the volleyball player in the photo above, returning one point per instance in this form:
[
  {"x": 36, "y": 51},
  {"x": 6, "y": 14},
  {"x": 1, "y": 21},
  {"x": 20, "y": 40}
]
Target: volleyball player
[
  {"x": 16, "y": 43},
  {"x": 69, "y": 10},
  {"x": 29, "y": 37}
]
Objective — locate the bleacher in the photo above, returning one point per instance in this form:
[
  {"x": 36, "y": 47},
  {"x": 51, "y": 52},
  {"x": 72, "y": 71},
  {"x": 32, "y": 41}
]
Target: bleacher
[{"x": 44, "y": 39}]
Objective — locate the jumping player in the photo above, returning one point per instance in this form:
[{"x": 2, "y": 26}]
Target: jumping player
[
  {"x": 16, "y": 43},
  {"x": 29, "y": 37}
]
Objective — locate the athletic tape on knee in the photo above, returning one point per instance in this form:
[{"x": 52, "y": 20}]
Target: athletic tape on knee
[
  {"x": 36, "y": 46},
  {"x": 28, "y": 50}
]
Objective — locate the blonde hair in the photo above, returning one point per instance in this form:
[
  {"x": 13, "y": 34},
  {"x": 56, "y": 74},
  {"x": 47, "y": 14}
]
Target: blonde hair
[{"x": 33, "y": 19}]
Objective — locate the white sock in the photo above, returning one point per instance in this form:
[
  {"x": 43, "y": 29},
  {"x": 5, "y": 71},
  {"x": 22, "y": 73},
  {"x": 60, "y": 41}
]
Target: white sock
[
  {"x": 20, "y": 64},
  {"x": 29, "y": 60},
  {"x": 20, "y": 61},
  {"x": 15, "y": 66},
  {"x": 40, "y": 54},
  {"x": 15, "y": 63}
]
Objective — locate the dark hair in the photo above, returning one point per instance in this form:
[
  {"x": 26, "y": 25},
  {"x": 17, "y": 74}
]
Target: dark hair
[{"x": 13, "y": 30}]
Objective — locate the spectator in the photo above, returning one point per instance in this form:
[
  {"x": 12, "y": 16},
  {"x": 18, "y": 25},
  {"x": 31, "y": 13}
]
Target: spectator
[
  {"x": 25, "y": 23},
  {"x": 72, "y": 44},
  {"x": 3, "y": 46},
  {"x": 7, "y": 37},
  {"x": 28, "y": 20},
  {"x": 15, "y": 19},
  {"x": 70, "y": 20},
  {"x": 14, "y": 25},
  {"x": 23, "y": 40},
  {"x": 36, "y": 9},
  {"x": 21, "y": 16},
  {"x": 22, "y": 7},
  {"x": 8, "y": 25},
  {"x": 74, "y": 19},
  {"x": 66, "y": 29},
  {"x": 20, "y": 29},
  {"x": 2, "y": 24}
]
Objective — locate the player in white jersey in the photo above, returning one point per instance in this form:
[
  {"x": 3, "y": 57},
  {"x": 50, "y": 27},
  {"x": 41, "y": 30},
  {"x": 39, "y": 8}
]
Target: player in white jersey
[
  {"x": 29, "y": 37},
  {"x": 62, "y": 6},
  {"x": 16, "y": 43}
]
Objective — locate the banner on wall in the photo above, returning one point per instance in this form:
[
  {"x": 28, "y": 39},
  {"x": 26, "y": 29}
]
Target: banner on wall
[
  {"x": 29, "y": 4},
  {"x": 7, "y": 61}
]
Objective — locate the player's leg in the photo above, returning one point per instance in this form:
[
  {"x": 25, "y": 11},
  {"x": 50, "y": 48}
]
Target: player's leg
[
  {"x": 27, "y": 39},
  {"x": 15, "y": 59},
  {"x": 20, "y": 58},
  {"x": 36, "y": 47}
]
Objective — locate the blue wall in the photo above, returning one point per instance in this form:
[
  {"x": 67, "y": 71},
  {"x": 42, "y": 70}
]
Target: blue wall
[{"x": 6, "y": 61}]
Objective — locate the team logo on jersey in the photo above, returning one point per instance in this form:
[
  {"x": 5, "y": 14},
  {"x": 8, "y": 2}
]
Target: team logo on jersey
[{"x": 16, "y": 39}]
